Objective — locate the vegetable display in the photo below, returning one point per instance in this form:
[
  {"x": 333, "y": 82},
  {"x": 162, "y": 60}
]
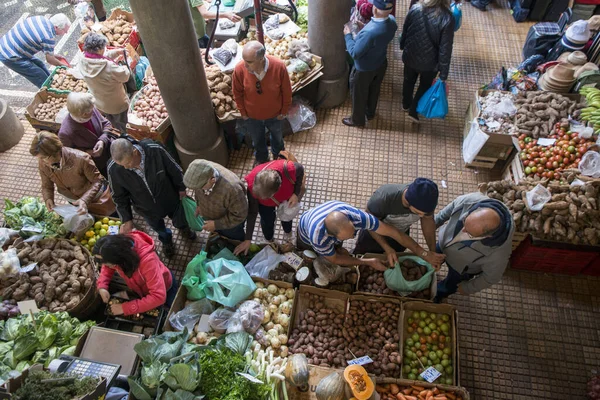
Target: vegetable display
[
  {"x": 277, "y": 303},
  {"x": 220, "y": 90},
  {"x": 47, "y": 111},
  {"x": 302, "y": 22},
  {"x": 31, "y": 217},
  {"x": 98, "y": 230},
  {"x": 591, "y": 113},
  {"x": 44, "y": 385},
  {"x": 62, "y": 276},
  {"x": 538, "y": 112},
  {"x": 9, "y": 309},
  {"x": 497, "y": 113},
  {"x": 392, "y": 391},
  {"x": 117, "y": 31},
  {"x": 332, "y": 387},
  {"x": 372, "y": 281},
  {"x": 63, "y": 80},
  {"x": 149, "y": 106},
  {"x": 571, "y": 215}
]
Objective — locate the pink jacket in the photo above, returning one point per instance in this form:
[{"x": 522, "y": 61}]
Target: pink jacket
[{"x": 150, "y": 281}]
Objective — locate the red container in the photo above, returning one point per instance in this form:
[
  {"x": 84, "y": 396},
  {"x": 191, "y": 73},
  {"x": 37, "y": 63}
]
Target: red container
[
  {"x": 593, "y": 269},
  {"x": 531, "y": 257}
]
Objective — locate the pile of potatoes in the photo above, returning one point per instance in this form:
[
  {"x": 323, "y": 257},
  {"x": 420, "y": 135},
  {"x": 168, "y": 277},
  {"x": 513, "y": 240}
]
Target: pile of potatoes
[
  {"x": 116, "y": 31},
  {"x": 47, "y": 111},
  {"x": 63, "y": 80},
  {"x": 372, "y": 281},
  {"x": 149, "y": 106},
  {"x": 220, "y": 90},
  {"x": 59, "y": 281}
]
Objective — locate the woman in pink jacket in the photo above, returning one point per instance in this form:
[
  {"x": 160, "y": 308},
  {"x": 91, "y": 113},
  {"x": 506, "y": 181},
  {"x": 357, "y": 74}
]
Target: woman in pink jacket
[{"x": 132, "y": 256}]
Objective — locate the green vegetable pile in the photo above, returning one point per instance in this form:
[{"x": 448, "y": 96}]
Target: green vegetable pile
[
  {"x": 22, "y": 344},
  {"x": 302, "y": 22},
  {"x": 31, "y": 217},
  {"x": 36, "y": 387},
  {"x": 173, "y": 369}
]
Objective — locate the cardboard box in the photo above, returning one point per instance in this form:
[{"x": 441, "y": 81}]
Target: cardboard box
[
  {"x": 404, "y": 383},
  {"x": 41, "y": 97},
  {"x": 411, "y": 306}
]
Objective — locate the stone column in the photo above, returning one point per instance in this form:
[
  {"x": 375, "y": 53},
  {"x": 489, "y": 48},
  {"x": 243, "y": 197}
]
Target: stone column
[
  {"x": 11, "y": 129},
  {"x": 169, "y": 38},
  {"x": 325, "y": 36}
]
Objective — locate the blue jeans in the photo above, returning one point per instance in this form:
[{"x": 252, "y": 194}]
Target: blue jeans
[
  {"x": 449, "y": 285},
  {"x": 235, "y": 233},
  {"x": 256, "y": 130},
  {"x": 165, "y": 235},
  {"x": 32, "y": 69},
  {"x": 268, "y": 215}
]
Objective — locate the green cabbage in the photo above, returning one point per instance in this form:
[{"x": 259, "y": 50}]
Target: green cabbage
[
  {"x": 25, "y": 346},
  {"x": 182, "y": 376}
]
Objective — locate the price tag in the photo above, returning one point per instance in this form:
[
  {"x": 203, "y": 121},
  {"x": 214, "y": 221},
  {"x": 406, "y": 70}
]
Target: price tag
[
  {"x": 250, "y": 378},
  {"x": 546, "y": 142},
  {"x": 360, "y": 361},
  {"x": 113, "y": 230},
  {"x": 27, "y": 305},
  {"x": 28, "y": 268},
  {"x": 293, "y": 259},
  {"x": 430, "y": 374}
]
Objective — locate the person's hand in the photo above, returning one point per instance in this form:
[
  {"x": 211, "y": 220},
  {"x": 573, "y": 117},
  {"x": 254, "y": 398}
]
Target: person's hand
[
  {"x": 242, "y": 247},
  {"x": 392, "y": 257},
  {"x": 104, "y": 294},
  {"x": 209, "y": 226},
  {"x": 82, "y": 207},
  {"x": 197, "y": 212},
  {"x": 281, "y": 117},
  {"x": 98, "y": 149},
  {"x": 347, "y": 29},
  {"x": 50, "y": 204},
  {"x": 126, "y": 227},
  {"x": 232, "y": 17},
  {"x": 116, "y": 309},
  {"x": 435, "y": 259},
  {"x": 293, "y": 200},
  {"x": 375, "y": 263},
  {"x": 182, "y": 194}
]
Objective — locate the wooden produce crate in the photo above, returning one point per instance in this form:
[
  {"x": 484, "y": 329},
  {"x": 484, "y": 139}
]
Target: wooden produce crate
[
  {"x": 518, "y": 237},
  {"x": 411, "y": 306},
  {"x": 514, "y": 171},
  {"x": 41, "y": 97},
  {"x": 416, "y": 385}
]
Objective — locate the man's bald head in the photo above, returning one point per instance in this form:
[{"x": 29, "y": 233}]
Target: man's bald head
[
  {"x": 339, "y": 225},
  {"x": 123, "y": 153},
  {"x": 482, "y": 222},
  {"x": 254, "y": 56}
]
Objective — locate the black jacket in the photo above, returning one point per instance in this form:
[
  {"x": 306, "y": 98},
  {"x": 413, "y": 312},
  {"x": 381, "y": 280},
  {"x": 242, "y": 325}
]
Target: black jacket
[
  {"x": 419, "y": 51},
  {"x": 160, "y": 197}
]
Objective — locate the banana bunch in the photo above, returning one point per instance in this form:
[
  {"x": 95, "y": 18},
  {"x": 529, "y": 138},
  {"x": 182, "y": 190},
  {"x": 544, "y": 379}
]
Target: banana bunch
[{"x": 592, "y": 112}]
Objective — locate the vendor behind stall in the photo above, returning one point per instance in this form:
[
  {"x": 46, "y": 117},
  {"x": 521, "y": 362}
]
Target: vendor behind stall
[
  {"x": 200, "y": 14},
  {"x": 74, "y": 174},
  {"x": 132, "y": 256}
]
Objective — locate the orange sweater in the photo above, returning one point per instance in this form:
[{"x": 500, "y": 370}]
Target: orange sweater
[{"x": 276, "y": 96}]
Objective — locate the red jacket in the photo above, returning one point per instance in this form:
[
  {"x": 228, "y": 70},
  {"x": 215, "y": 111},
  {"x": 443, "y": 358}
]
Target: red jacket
[
  {"x": 286, "y": 190},
  {"x": 150, "y": 281}
]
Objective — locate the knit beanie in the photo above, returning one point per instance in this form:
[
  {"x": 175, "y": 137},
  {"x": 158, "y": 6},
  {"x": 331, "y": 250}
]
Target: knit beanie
[
  {"x": 422, "y": 194},
  {"x": 198, "y": 173}
]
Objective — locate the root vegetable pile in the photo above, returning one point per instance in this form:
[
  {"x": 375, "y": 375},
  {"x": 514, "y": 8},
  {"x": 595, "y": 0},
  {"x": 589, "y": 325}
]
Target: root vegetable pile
[
  {"x": 277, "y": 303},
  {"x": 490, "y": 105},
  {"x": 62, "y": 277},
  {"x": 117, "y": 31},
  {"x": 220, "y": 90},
  {"x": 428, "y": 343},
  {"x": 392, "y": 391},
  {"x": 372, "y": 281},
  {"x": 572, "y": 215},
  {"x": 63, "y": 80},
  {"x": 149, "y": 106},
  {"x": 47, "y": 111},
  {"x": 538, "y": 112}
]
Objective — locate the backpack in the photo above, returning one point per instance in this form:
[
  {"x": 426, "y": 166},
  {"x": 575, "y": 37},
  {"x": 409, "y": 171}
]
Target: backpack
[{"x": 542, "y": 36}]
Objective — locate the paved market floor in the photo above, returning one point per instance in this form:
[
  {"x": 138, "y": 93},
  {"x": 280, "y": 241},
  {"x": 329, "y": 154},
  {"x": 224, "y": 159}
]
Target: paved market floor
[{"x": 533, "y": 336}]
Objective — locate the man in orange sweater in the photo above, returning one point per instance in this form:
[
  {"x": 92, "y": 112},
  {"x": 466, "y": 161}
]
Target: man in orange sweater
[{"x": 263, "y": 94}]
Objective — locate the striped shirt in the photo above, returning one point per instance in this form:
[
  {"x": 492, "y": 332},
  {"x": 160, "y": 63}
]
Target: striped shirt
[
  {"x": 314, "y": 233},
  {"x": 28, "y": 37}
]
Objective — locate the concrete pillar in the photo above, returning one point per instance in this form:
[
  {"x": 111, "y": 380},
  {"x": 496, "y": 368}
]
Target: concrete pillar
[
  {"x": 170, "y": 41},
  {"x": 11, "y": 129},
  {"x": 325, "y": 37}
]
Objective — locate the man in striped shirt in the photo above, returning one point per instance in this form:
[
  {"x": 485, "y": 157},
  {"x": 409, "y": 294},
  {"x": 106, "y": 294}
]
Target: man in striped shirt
[
  {"x": 28, "y": 37},
  {"x": 325, "y": 227}
]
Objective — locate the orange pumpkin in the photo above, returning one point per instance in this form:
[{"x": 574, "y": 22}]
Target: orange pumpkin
[{"x": 352, "y": 373}]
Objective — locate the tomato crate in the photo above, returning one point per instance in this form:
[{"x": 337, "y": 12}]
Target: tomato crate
[{"x": 534, "y": 257}]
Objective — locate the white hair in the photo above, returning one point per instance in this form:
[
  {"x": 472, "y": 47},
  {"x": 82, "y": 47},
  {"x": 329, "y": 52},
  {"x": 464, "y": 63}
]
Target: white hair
[
  {"x": 79, "y": 104},
  {"x": 60, "y": 21}
]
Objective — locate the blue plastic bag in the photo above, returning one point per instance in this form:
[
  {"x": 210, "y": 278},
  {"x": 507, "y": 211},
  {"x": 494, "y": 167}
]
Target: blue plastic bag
[
  {"x": 457, "y": 12},
  {"x": 434, "y": 103}
]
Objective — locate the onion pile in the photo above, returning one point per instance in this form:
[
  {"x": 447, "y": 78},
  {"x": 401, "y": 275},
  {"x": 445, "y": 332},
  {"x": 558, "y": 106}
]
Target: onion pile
[
  {"x": 9, "y": 309},
  {"x": 149, "y": 106}
]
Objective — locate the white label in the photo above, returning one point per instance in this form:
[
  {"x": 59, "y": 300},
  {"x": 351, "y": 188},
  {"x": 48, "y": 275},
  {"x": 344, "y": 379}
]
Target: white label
[
  {"x": 360, "y": 361},
  {"x": 203, "y": 325},
  {"x": 430, "y": 374},
  {"x": 293, "y": 259},
  {"x": 113, "y": 230},
  {"x": 546, "y": 142},
  {"x": 250, "y": 378},
  {"x": 27, "y": 305},
  {"x": 28, "y": 268}
]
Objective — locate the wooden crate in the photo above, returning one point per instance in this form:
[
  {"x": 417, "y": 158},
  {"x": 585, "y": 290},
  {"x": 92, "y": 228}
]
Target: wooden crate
[
  {"x": 514, "y": 172},
  {"x": 518, "y": 237}
]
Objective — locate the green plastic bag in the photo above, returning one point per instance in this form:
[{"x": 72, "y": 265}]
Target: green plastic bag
[
  {"x": 395, "y": 281},
  {"x": 191, "y": 278},
  {"x": 189, "y": 207}
]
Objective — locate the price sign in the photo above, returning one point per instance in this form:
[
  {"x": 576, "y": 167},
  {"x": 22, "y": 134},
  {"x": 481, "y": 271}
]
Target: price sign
[
  {"x": 360, "y": 361},
  {"x": 250, "y": 378},
  {"x": 546, "y": 142},
  {"x": 293, "y": 260},
  {"x": 430, "y": 374},
  {"x": 27, "y": 306},
  {"x": 113, "y": 230}
]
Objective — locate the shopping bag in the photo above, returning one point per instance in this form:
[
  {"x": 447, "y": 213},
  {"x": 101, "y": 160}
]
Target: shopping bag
[
  {"x": 395, "y": 280},
  {"x": 191, "y": 277},
  {"x": 264, "y": 262},
  {"x": 456, "y": 10},
  {"x": 189, "y": 207},
  {"x": 434, "y": 103}
]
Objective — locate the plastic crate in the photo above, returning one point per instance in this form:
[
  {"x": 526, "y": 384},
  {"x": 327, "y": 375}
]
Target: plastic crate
[{"x": 531, "y": 257}]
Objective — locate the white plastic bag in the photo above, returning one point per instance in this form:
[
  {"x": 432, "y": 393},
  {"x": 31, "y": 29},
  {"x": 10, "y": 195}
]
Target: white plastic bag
[
  {"x": 504, "y": 108},
  {"x": 9, "y": 262},
  {"x": 296, "y": 65},
  {"x": 251, "y": 314},
  {"x": 474, "y": 142},
  {"x": 301, "y": 116},
  {"x": 190, "y": 315},
  {"x": 61, "y": 115},
  {"x": 286, "y": 213},
  {"x": 537, "y": 197},
  {"x": 73, "y": 221},
  {"x": 219, "y": 320},
  {"x": 590, "y": 164},
  {"x": 264, "y": 262},
  {"x": 6, "y": 235}
]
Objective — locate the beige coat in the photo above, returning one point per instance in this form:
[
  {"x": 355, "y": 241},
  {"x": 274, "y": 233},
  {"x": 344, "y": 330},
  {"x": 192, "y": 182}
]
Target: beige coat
[{"x": 106, "y": 82}]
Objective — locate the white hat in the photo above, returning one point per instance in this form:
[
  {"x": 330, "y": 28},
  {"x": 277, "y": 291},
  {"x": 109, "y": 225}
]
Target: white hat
[{"x": 578, "y": 32}]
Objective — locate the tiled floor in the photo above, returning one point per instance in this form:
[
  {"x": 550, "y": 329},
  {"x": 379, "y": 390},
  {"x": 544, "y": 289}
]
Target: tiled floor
[{"x": 531, "y": 337}]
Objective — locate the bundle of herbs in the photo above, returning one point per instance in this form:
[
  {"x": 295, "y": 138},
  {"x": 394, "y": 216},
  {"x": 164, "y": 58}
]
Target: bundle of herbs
[{"x": 43, "y": 385}]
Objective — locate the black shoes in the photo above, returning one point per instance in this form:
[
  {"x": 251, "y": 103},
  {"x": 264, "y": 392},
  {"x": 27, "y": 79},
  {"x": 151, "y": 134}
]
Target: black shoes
[
  {"x": 169, "y": 249},
  {"x": 348, "y": 122},
  {"x": 188, "y": 234}
]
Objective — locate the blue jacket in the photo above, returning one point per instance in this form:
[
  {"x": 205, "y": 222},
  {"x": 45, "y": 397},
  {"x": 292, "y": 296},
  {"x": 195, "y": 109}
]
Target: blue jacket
[{"x": 369, "y": 49}]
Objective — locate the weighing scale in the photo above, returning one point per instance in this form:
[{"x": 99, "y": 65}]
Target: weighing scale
[{"x": 84, "y": 367}]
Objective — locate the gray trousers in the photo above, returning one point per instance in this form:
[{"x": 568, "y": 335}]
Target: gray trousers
[
  {"x": 365, "y": 88},
  {"x": 118, "y": 121}
]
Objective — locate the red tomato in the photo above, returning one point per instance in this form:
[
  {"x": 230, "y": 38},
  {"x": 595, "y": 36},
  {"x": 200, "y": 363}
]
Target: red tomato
[
  {"x": 548, "y": 165},
  {"x": 555, "y": 164},
  {"x": 550, "y": 175}
]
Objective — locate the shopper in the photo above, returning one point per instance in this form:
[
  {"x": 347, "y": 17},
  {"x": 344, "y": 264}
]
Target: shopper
[
  {"x": 200, "y": 14},
  {"x": 481, "y": 4},
  {"x": 28, "y": 37},
  {"x": 476, "y": 237},
  {"x": 426, "y": 41},
  {"x": 401, "y": 206},
  {"x": 278, "y": 183},
  {"x": 98, "y": 7},
  {"x": 73, "y": 173},
  {"x": 143, "y": 175},
  {"x": 325, "y": 227},
  {"x": 369, "y": 51},
  {"x": 263, "y": 95},
  {"x": 85, "y": 129},
  {"x": 105, "y": 79},
  {"x": 221, "y": 198},
  {"x": 133, "y": 258}
]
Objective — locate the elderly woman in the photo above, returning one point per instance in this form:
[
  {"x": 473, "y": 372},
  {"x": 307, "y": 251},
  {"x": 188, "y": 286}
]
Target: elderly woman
[
  {"x": 86, "y": 129},
  {"x": 73, "y": 173},
  {"x": 106, "y": 79}
]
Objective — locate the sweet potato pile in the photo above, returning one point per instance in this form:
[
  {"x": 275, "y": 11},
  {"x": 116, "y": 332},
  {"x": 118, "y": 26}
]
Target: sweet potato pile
[
  {"x": 539, "y": 111},
  {"x": 372, "y": 281},
  {"x": 116, "y": 31},
  {"x": 59, "y": 281},
  {"x": 392, "y": 391},
  {"x": 220, "y": 90}
]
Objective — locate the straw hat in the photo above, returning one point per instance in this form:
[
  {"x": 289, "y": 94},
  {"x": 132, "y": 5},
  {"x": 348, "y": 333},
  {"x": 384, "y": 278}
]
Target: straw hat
[
  {"x": 564, "y": 57},
  {"x": 561, "y": 73},
  {"x": 577, "y": 58},
  {"x": 584, "y": 68}
]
